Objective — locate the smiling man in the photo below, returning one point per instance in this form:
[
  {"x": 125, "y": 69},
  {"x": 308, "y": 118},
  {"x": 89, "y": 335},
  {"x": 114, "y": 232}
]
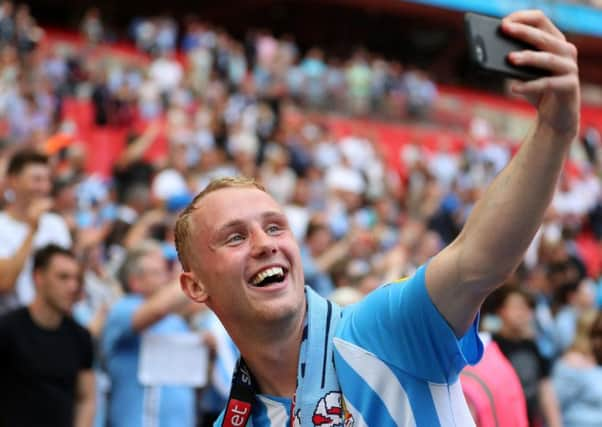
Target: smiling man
[
  {"x": 26, "y": 225},
  {"x": 394, "y": 358}
]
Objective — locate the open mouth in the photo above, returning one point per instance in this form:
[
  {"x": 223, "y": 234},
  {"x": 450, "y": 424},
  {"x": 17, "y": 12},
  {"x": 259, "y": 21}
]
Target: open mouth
[{"x": 268, "y": 277}]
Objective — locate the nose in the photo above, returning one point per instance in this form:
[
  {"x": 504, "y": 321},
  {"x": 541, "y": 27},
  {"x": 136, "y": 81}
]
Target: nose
[
  {"x": 74, "y": 286},
  {"x": 42, "y": 186},
  {"x": 262, "y": 244}
]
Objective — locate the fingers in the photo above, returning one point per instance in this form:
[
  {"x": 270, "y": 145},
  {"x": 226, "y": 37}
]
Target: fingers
[
  {"x": 565, "y": 83},
  {"x": 37, "y": 208},
  {"x": 552, "y": 52},
  {"x": 556, "y": 97},
  {"x": 41, "y": 205},
  {"x": 534, "y": 18},
  {"x": 556, "y": 64},
  {"x": 540, "y": 39}
]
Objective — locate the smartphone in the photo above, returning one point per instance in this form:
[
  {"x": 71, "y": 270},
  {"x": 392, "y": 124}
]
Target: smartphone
[{"x": 489, "y": 48}]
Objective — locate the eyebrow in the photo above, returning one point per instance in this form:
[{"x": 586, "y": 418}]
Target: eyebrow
[
  {"x": 273, "y": 215},
  {"x": 229, "y": 225}
]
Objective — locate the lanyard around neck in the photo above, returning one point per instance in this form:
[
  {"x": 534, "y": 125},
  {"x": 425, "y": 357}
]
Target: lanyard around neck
[
  {"x": 322, "y": 318},
  {"x": 242, "y": 397}
]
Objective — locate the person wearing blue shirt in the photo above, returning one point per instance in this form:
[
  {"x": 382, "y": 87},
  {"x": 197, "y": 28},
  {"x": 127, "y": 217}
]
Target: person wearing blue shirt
[
  {"x": 577, "y": 375},
  {"x": 394, "y": 358},
  {"x": 319, "y": 254},
  {"x": 148, "y": 306}
]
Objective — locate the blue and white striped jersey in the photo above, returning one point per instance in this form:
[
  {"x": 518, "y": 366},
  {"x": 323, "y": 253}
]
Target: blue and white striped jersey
[{"x": 395, "y": 359}]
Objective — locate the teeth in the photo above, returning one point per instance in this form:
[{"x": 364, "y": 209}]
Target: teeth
[{"x": 274, "y": 271}]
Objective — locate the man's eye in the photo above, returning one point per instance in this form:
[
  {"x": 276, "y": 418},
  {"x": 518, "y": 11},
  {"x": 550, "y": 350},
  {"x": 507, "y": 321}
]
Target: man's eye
[
  {"x": 235, "y": 238},
  {"x": 274, "y": 229}
]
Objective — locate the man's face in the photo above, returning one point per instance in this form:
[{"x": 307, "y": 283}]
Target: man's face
[
  {"x": 60, "y": 283},
  {"x": 321, "y": 240},
  {"x": 246, "y": 257},
  {"x": 516, "y": 314},
  {"x": 32, "y": 182},
  {"x": 66, "y": 198},
  {"x": 152, "y": 275}
]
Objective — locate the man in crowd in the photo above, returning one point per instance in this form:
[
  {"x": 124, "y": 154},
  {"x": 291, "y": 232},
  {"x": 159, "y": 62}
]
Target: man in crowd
[
  {"x": 515, "y": 308},
  {"x": 148, "y": 306},
  {"x": 26, "y": 224},
  {"x": 45, "y": 356},
  {"x": 399, "y": 352}
]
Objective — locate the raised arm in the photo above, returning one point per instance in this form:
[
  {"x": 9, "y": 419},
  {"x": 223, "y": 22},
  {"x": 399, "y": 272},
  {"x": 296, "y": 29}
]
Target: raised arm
[
  {"x": 11, "y": 267},
  {"x": 505, "y": 219},
  {"x": 168, "y": 300},
  {"x": 138, "y": 147}
]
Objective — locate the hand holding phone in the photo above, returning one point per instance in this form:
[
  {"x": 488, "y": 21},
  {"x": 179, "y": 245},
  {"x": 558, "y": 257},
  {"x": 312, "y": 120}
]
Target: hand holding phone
[
  {"x": 554, "y": 89},
  {"x": 489, "y": 48}
]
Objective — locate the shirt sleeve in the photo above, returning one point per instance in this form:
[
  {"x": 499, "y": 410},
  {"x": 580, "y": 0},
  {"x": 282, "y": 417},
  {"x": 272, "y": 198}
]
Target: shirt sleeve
[
  {"x": 400, "y": 324},
  {"x": 13, "y": 234},
  {"x": 567, "y": 383},
  {"x": 5, "y": 344},
  {"x": 62, "y": 236},
  {"x": 87, "y": 350},
  {"x": 544, "y": 363},
  {"x": 118, "y": 324},
  {"x": 565, "y": 321}
]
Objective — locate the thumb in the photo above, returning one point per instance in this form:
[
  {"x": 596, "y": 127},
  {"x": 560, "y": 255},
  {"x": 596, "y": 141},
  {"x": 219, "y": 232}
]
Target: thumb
[{"x": 520, "y": 89}]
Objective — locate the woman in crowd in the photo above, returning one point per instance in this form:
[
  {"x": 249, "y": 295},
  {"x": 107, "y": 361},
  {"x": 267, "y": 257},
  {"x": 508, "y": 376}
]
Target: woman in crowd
[{"x": 577, "y": 376}]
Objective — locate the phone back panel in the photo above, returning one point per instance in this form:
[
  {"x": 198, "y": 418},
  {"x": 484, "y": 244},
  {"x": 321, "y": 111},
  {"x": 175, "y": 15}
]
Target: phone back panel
[{"x": 489, "y": 47}]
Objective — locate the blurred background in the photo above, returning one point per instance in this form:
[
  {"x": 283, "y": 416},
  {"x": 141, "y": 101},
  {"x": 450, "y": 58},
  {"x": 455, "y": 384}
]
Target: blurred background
[{"x": 363, "y": 118}]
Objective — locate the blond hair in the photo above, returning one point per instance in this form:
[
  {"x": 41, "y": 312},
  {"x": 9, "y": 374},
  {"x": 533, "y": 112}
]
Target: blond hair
[
  {"x": 183, "y": 224},
  {"x": 582, "y": 342}
]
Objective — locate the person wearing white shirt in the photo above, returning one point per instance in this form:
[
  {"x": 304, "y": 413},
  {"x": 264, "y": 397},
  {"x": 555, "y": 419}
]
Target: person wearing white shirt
[{"x": 25, "y": 225}]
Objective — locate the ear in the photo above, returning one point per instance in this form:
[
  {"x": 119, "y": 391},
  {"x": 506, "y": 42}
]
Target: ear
[
  {"x": 11, "y": 180},
  {"x": 132, "y": 284},
  {"x": 37, "y": 279},
  {"x": 193, "y": 288}
]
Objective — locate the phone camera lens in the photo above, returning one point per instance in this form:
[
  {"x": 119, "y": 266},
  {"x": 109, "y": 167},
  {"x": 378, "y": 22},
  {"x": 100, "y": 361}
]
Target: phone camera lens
[
  {"x": 479, "y": 50},
  {"x": 480, "y": 54}
]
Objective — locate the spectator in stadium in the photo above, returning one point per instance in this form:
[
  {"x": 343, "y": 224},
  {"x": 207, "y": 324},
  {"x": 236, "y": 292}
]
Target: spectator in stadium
[
  {"x": 45, "y": 356},
  {"x": 319, "y": 254},
  {"x": 224, "y": 354},
  {"x": 92, "y": 27},
  {"x": 546, "y": 335},
  {"x": 314, "y": 77},
  {"x": 571, "y": 300},
  {"x": 493, "y": 390},
  {"x": 149, "y": 305},
  {"x": 358, "y": 76},
  {"x": 7, "y": 23},
  {"x": 421, "y": 93},
  {"x": 26, "y": 224},
  {"x": 171, "y": 181},
  {"x": 131, "y": 169},
  {"x": 577, "y": 376},
  {"x": 276, "y": 175},
  {"x": 514, "y": 306},
  {"x": 101, "y": 99},
  {"x": 64, "y": 199},
  {"x": 166, "y": 73},
  {"x": 245, "y": 265}
]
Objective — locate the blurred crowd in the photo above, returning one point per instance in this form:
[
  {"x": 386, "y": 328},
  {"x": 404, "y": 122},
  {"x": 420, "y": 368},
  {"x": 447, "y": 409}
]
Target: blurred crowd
[
  {"x": 228, "y": 107},
  {"x": 592, "y": 3}
]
